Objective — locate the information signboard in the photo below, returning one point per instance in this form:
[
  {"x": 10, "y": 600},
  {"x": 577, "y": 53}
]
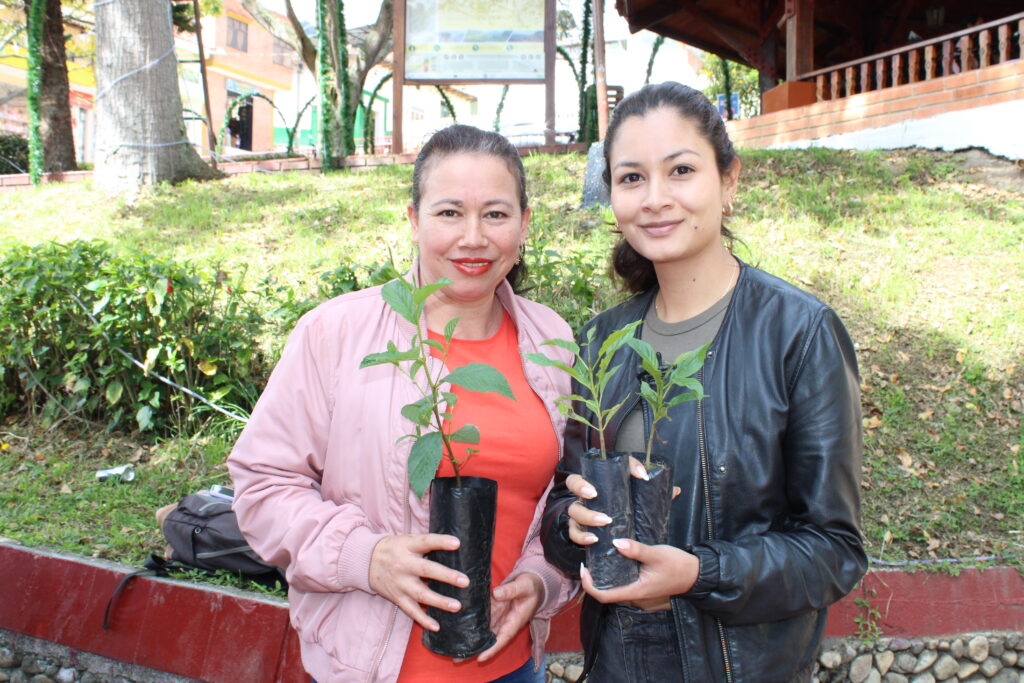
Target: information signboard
[{"x": 474, "y": 40}]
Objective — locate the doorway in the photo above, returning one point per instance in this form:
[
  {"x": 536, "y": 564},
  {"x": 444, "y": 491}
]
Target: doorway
[{"x": 240, "y": 125}]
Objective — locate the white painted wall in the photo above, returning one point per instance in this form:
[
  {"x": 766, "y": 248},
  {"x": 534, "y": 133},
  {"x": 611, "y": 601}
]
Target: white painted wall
[{"x": 996, "y": 128}]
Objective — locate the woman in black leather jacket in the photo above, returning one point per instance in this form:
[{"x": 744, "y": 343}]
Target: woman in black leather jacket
[{"x": 764, "y": 533}]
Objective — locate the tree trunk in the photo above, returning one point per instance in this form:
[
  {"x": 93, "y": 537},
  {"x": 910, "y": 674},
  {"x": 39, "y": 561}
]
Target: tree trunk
[
  {"x": 367, "y": 49},
  {"x": 140, "y": 133},
  {"x": 58, "y": 140}
]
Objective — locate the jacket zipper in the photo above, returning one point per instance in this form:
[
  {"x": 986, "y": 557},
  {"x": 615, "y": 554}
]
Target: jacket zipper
[{"x": 705, "y": 477}]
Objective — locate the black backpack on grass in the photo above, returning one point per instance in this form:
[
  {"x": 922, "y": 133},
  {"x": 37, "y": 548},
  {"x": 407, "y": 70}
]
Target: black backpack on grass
[{"x": 203, "y": 532}]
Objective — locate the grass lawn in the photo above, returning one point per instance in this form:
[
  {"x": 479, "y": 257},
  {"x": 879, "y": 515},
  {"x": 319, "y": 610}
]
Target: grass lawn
[{"x": 924, "y": 265}]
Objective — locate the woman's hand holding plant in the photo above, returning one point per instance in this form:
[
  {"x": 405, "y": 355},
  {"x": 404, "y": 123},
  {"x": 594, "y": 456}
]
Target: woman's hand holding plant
[
  {"x": 513, "y": 606},
  {"x": 664, "y": 571},
  {"x": 580, "y": 516},
  {"x": 398, "y": 568}
]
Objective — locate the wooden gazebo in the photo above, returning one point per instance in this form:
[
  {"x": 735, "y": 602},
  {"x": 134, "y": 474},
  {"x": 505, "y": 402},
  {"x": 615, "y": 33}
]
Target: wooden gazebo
[{"x": 822, "y": 49}]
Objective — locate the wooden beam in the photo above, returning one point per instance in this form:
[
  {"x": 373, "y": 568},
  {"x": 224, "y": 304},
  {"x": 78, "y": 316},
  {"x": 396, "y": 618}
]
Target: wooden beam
[
  {"x": 651, "y": 15},
  {"x": 745, "y": 43},
  {"x": 398, "y": 76},
  {"x": 768, "y": 74},
  {"x": 800, "y": 40}
]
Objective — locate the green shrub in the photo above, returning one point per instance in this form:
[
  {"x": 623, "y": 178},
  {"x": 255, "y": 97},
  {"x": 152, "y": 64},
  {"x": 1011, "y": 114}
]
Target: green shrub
[
  {"x": 13, "y": 154},
  {"x": 570, "y": 279},
  {"x": 193, "y": 325}
]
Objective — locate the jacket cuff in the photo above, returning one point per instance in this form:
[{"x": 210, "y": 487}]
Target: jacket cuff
[
  {"x": 554, "y": 582},
  {"x": 559, "y": 549},
  {"x": 354, "y": 559},
  {"x": 708, "y": 571}
]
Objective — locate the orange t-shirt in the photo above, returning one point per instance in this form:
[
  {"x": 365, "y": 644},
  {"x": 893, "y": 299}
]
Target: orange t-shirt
[{"x": 518, "y": 449}]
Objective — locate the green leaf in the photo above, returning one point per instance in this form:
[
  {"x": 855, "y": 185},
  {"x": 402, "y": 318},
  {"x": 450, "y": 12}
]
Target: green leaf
[
  {"x": 145, "y": 418},
  {"x": 695, "y": 390},
  {"x": 574, "y": 371},
  {"x": 449, "y": 330},
  {"x": 542, "y": 360},
  {"x": 95, "y": 284},
  {"x": 648, "y": 394},
  {"x": 159, "y": 290},
  {"x": 566, "y": 344},
  {"x": 114, "y": 391},
  {"x": 688, "y": 363},
  {"x": 648, "y": 356},
  {"x": 101, "y": 304},
  {"x": 616, "y": 339},
  {"x": 420, "y": 294},
  {"x": 419, "y": 412},
  {"x": 480, "y": 377},
  {"x": 683, "y": 398},
  {"x": 81, "y": 384},
  {"x": 398, "y": 295},
  {"x": 393, "y": 357},
  {"x": 424, "y": 458},
  {"x": 466, "y": 434},
  {"x": 434, "y": 344}
]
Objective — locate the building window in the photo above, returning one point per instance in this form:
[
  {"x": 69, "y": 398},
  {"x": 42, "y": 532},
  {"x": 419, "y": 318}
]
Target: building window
[
  {"x": 281, "y": 52},
  {"x": 238, "y": 34}
]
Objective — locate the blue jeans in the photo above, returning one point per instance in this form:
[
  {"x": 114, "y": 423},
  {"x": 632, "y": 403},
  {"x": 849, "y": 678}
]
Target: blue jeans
[
  {"x": 525, "y": 674},
  {"x": 636, "y": 646}
]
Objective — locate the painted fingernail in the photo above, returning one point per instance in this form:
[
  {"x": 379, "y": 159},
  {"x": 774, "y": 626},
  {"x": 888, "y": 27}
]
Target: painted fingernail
[
  {"x": 589, "y": 492},
  {"x": 462, "y": 581},
  {"x": 641, "y": 473},
  {"x": 590, "y": 538},
  {"x": 453, "y": 606},
  {"x": 601, "y": 518},
  {"x": 620, "y": 543}
]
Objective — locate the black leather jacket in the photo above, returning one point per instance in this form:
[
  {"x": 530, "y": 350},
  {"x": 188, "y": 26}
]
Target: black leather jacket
[{"x": 769, "y": 464}]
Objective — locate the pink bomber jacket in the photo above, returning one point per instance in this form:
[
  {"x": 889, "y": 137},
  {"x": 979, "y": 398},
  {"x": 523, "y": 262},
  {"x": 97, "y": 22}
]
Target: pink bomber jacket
[{"x": 319, "y": 479}]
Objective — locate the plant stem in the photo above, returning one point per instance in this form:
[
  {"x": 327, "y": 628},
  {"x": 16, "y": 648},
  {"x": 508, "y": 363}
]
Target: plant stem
[{"x": 650, "y": 447}]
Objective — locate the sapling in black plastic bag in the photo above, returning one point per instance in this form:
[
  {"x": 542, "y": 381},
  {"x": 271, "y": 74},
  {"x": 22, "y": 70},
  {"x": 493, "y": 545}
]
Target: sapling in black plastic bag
[{"x": 460, "y": 506}]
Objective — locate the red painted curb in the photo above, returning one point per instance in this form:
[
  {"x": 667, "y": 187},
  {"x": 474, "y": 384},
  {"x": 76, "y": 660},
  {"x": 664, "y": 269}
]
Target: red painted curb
[
  {"x": 225, "y": 636},
  {"x": 215, "y": 635},
  {"x": 909, "y": 604}
]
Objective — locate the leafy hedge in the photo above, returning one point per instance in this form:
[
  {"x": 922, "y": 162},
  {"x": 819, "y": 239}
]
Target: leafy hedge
[
  {"x": 65, "y": 309},
  {"x": 13, "y": 154},
  {"x": 71, "y": 314}
]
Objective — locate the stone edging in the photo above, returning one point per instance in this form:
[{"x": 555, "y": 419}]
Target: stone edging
[{"x": 993, "y": 657}]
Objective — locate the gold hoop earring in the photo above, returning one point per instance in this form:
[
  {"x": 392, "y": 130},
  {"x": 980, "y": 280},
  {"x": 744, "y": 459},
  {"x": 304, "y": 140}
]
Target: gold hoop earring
[{"x": 727, "y": 209}]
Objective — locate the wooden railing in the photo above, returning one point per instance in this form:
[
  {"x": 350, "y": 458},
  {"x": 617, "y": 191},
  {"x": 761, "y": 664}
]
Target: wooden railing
[{"x": 979, "y": 46}]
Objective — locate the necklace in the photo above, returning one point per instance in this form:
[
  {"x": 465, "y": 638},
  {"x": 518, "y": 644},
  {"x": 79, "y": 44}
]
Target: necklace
[{"x": 728, "y": 285}]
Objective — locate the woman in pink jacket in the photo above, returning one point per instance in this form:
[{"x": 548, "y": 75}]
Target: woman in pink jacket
[{"x": 320, "y": 474}]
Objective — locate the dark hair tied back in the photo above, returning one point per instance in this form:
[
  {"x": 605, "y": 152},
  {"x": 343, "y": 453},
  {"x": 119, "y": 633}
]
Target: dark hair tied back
[
  {"x": 637, "y": 272},
  {"x": 463, "y": 139}
]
